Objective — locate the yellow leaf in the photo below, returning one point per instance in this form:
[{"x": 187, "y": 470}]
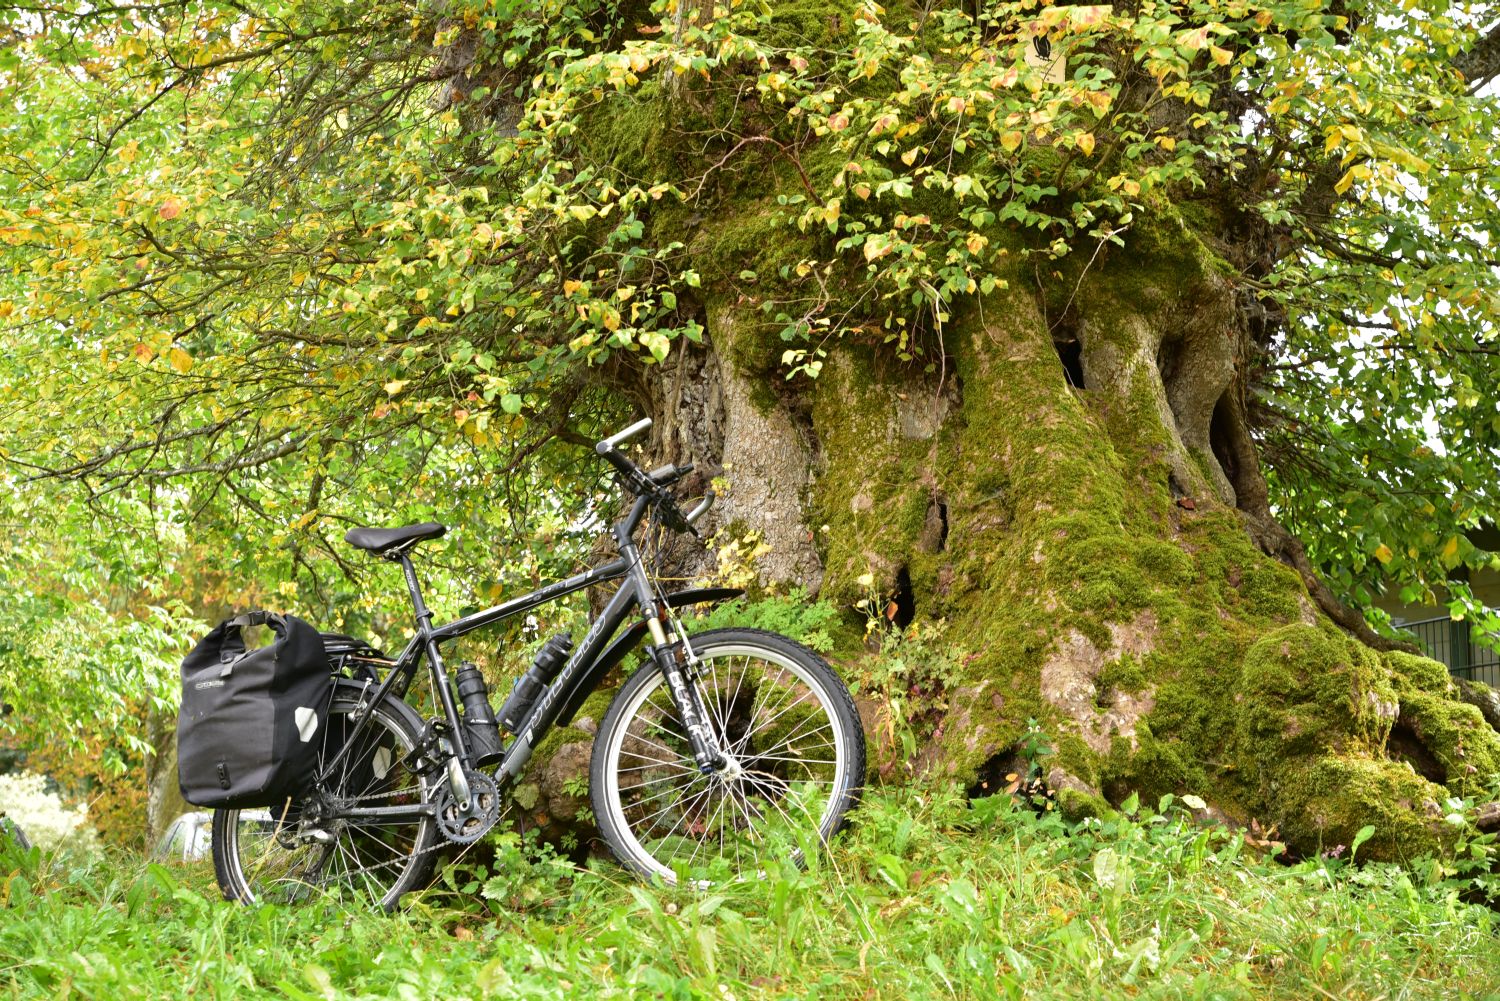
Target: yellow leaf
[
  {"x": 1086, "y": 143},
  {"x": 1345, "y": 182},
  {"x": 1011, "y": 141},
  {"x": 1220, "y": 56},
  {"x": 6, "y": 308},
  {"x": 395, "y": 386},
  {"x": 1383, "y": 553},
  {"x": 180, "y": 360},
  {"x": 1195, "y": 39},
  {"x": 1450, "y": 549}
]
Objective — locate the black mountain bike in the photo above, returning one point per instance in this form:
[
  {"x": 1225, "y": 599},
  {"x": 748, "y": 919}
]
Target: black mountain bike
[{"x": 723, "y": 751}]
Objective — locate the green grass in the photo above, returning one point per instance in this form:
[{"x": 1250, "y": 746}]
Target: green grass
[{"x": 925, "y": 897}]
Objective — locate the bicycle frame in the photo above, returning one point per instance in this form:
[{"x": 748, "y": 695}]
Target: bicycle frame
[{"x": 590, "y": 661}]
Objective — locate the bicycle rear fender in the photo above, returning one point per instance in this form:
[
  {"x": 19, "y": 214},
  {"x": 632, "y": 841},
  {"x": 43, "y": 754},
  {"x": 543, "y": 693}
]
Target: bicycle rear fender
[{"x": 628, "y": 640}]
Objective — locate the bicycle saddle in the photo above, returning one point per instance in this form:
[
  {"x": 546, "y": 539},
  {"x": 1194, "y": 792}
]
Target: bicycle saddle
[{"x": 381, "y": 540}]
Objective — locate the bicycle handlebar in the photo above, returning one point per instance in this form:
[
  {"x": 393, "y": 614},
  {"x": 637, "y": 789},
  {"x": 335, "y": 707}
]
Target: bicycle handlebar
[
  {"x": 614, "y": 441},
  {"x": 702, "y": 508},
  {"x": 654, "y": 483}
]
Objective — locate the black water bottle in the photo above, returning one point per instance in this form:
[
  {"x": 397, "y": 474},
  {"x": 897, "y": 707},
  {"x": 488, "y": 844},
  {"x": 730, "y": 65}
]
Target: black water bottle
[
  {"x": 530, "y": 686},
  {"x": 483, "y": 736}
]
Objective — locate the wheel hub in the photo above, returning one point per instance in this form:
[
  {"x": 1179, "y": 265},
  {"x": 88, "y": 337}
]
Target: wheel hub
[{"x": 731, "y": 771}]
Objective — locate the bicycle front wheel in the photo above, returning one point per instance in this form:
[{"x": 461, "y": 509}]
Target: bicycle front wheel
[
  {"x": 796, "y": 760},
  {"x": 304, "y": 852}
]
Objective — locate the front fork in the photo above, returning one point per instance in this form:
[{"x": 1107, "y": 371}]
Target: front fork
[{"x": 688, "y": 700}]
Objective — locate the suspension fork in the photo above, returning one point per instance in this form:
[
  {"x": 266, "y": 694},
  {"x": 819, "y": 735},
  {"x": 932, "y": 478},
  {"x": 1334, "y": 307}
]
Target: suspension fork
[{"x": 680, "y": 682}]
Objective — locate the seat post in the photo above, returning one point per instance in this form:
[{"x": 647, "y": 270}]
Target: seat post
[{"x": 424, "y": 616}]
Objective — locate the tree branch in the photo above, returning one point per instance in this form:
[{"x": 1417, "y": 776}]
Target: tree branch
[{"x": 1481, "y": 64}]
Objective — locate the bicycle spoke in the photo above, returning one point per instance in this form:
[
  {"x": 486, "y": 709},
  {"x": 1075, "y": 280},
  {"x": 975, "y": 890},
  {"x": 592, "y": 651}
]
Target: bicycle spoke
[
  {"x": 775, "y": 721},
  {"x": 656, "y": 763},
  {"x": 357, "y": 858}
]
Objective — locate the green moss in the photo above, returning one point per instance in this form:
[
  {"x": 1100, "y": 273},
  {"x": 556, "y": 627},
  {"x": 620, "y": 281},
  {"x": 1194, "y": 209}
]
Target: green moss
[
  {"x": 1076, "y": 758},
  {"x": 1151, "y": 766},
  {"x": 1452, "y": 732},
  {"x": 1163, "y": 255},
  {"x": 1270, "y": 590},
  {"x": 819, "y": 24},
  {"x": 1419, "y": 674},
  {"x": 630, "y": 132},
  {"x": 1076, "y": 805},
  {"x": 755, "y": 238},
  {"x": 1099, "y": 574},
  {"x": 1124, "y": 675},
  {"x": 593, "y": 708},
  {"x": 878, "y": 483},
  {"x": 1165, "y": 563},
  {"x": 1303, "y": 687},
  {"x": 1327, "y": 801}
]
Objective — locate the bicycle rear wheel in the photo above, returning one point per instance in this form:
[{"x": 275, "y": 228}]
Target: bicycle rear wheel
[
  {"x": 796, "y": 750},
  {"x": 263, "y": 855}
]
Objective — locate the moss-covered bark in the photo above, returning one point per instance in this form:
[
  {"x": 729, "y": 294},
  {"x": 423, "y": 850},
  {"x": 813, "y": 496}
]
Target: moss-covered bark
[
  {"x": 1067, "y": 479},
  {"x": 1085, "y": 548}
]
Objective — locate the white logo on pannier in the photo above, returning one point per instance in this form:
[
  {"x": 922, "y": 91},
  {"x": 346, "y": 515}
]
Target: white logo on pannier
[{"x": 307, "y": 722}]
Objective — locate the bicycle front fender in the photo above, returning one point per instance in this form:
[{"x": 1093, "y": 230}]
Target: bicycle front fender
[{"x": 628, "y": 640}]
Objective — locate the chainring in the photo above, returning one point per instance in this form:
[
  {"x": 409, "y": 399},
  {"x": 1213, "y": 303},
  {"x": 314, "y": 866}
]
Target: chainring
[{"x": 466, "y": 827}]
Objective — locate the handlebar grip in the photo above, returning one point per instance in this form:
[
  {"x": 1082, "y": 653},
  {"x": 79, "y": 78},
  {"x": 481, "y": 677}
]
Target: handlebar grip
[{"x": 614, "y": 441}]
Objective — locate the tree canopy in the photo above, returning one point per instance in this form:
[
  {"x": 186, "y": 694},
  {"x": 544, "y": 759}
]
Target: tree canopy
[{"x": 272, "y": 269}]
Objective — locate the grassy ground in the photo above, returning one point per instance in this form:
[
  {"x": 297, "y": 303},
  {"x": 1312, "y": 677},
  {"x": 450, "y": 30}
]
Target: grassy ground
[{"x": 926, "y": 897}]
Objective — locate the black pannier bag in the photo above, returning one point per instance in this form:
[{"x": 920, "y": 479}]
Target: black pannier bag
[{"x": 252, "y": 722}]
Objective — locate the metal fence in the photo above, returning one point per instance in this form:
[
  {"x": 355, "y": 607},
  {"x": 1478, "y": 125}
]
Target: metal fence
[{"x": 1453, "y": 643}]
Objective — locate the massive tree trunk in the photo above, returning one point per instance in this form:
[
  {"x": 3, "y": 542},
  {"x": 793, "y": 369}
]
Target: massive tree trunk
[{"x": 1074, "y": 493}]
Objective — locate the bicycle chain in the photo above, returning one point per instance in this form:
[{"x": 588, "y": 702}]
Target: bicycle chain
[{"x": 444, "y": 841}]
